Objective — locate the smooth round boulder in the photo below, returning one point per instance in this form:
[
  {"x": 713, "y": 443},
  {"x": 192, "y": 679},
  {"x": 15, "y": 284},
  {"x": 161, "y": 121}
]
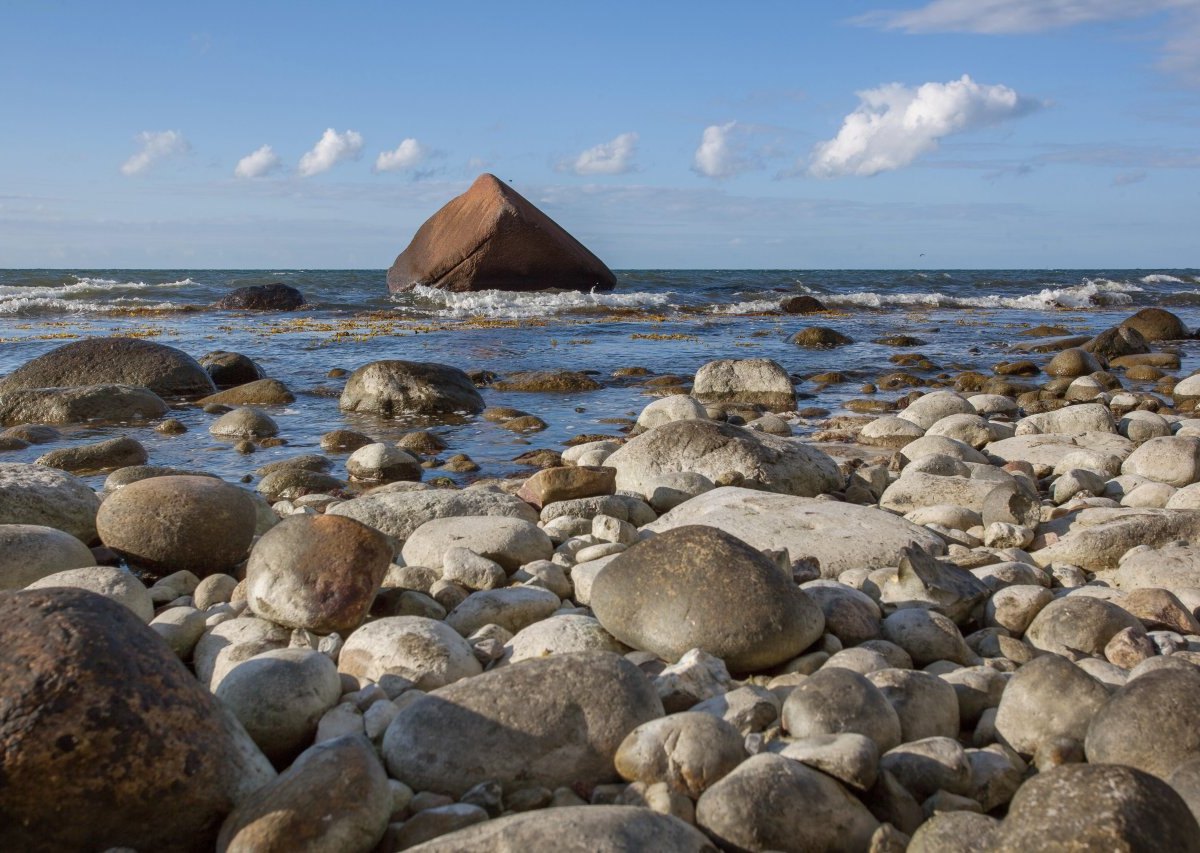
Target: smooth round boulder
[
  {"x": 29, "y": 552},
  {"x": 676, "y": 407},
  {"x": 398, "y": 514},
  {"x": 925, "y": 705},
  {"x": 549, "y": 722},
  {"x": 85, "y": 404},
  {"x": 382, "y": 463},
  {"x": 742, "y": 382},
  {"x": 230, "y": 369},
  {"x": 427, "y": 652},
  {"x": 1072, "y": 362},
  {"x": 394, "y": 387},
  {"x": 717, "y": 450},
  {"x": 113, "y": 583},
  {"x": 168, "y": 524},
  {"x": 1096, "y": 807},
  {"x": 511, "y": 542},
  {"x": 33, "y": 494},
  {"x": 334, "y": 797},
  {"x": 570, "y": 632},
  {"x": 819, "y": 337},
  {"x": 279, "y": 696},
  {"x": 1149, "y": 723},
  {"x": 1157, "y": 324},
  {"x": 773, "y": 803},
  {"x": 276, "y": 296},
  {"x": 1079, "y": 624},
  {"x": 575, "y": 829},
  {"x": 689, "y": 752},
  {"x": 165, "y": 370},
  {"x": 1045, "y": 699},
  {"x": 319, "y": 572},
  {"x": 833, "y": 701},
  {"x": 1170, "y": 459},
  {"x": 113, "y": 453},
  {"x": 699, "y": 587},
  {"x": 930, "y": 408},
  {"x": 94, "y": 696},
  {"x": 246, "y": 422}
]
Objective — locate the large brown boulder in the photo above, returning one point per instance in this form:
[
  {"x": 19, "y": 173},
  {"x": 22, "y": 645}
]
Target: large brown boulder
[
  {"x": 165, "y": 370},
  {"x": 1157, "y": 324},
  {"x": 492, "y": 238},
  {"x": 106, "y": 740}
]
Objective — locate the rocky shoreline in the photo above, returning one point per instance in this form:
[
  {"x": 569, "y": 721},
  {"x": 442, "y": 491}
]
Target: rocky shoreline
[{"x": 964, "y": 619}]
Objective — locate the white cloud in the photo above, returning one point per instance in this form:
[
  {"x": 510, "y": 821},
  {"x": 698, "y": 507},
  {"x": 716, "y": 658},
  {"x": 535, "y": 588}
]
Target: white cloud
[
  {"x": 156, "y": 145},
  {"x": 895, "y": 124},
  {"x": 257, "y": 163},
  {"x": 407, "y": 155},
  {"x": 607, "y": 158},
  {"x": 721, "y": 153},
  {"x": 331, "y": 148},
  {"x": 999, "y": 17}
]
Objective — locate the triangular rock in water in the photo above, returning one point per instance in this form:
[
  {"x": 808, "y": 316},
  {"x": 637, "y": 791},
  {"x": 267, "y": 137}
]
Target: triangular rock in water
[
  {"x": 925, "y": 581},
  {"x": 492, "y": 238}
]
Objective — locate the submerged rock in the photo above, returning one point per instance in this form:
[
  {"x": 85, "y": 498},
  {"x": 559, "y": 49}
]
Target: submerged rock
[{"x": 263, "y": 297}]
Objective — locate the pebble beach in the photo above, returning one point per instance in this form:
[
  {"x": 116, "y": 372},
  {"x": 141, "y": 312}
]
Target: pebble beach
[{"x": 802, "y": 560}]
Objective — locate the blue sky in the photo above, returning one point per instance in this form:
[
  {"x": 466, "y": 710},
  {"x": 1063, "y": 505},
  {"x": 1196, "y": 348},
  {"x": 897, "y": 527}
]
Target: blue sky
[{"x": 982, "y": 133}]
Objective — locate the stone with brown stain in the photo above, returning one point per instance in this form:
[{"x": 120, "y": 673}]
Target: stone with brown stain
[
  {"x": 567, "y": 483},
  {"x": 101, "y": 723},
  {"x": 317, "y": 572},
  {"x": 169, "y": 524}
]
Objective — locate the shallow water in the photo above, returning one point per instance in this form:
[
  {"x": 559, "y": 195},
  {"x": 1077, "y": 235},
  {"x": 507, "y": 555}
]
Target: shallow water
[{"x": 668, "y": 321}]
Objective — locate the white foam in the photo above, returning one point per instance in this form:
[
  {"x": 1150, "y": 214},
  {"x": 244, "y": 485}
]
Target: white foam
[
  {"x": 503, "y": 304},
  {"x": 753, "y": 306},
  {"x": 1091, "y": 294},
  {"x": 70, "y": 298},
  {"x": 1161, "y": 278}
]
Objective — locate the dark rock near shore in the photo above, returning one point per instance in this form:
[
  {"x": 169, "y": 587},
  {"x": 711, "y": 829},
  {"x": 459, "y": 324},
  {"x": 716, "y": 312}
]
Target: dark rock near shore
[
  {"x": 491, "y": 237},
  {"x": 409, "y": 387},
  {"x": 259, "y": 392},
  {"x": 263, "y": 297},
  {"x": 114, "y": 453},
  {"x": 165, "y": 370},
  {"x": 101, "y": 722},
  {"x": 820, "y": 337},
  {"x": 548, "y": 381},
  {"x": 229, "y": 369},
  {"x": 802, "y": 305},
  {"x": 1158, "y": 324},
  {"x": 79, "y": 404},
  {"x": 1116, "y": 342}
]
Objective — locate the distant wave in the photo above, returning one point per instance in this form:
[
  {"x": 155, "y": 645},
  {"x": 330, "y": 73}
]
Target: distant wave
[
  {"x": 1161, "y": 278},
  {"x": 84, "y": 295},
  {"x": 753, "y": 306},
  {"x": 501, "y": 304},
  {"x": 1093, "y": 293}
]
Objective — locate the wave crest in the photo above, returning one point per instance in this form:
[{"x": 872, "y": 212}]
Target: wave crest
[{"x": 505, "y": 304}]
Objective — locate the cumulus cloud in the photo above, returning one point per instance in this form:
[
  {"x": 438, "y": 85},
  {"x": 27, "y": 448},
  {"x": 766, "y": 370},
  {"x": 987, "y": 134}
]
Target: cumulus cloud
[
  {"x": 407, "y": 155},
  {"x": 331, "y": 148},
  {"x": 721, "y": 153},
  {"x": 155, "y": 146},
  {"x": 257, "y": 163},
  {"x": 895, "y": 124},
  {"x": 1001, "y": 17},
  {"x": 607, "y": 158}
]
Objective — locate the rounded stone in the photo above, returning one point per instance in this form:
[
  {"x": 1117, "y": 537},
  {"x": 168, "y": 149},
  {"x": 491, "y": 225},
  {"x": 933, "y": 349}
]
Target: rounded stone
[
  {"x": 113, "y": 583},
  {"x": 773, "y": 803},
  {"x": 549, "y": 722},
  {"x": 1157, "y": 324},
  {"x": 398, "y": 514},
  {"x": 335, "y": 797},
  {"x": 319, "y": 572},
  {"x": 100, "y": 719},
  {"x": 279, "y": 696},
  {"x": 850, "y": 614},
  {"x": 428, "y": 653},
  {"x": 408, "y": 387},
  {"x": 1079, "y": 624},
  {"x": 1171, "y": 459},
  {"x": 230, "y": 369},
  {"x": 571, "y": 632},
  {"x": 819, "y": 337},
  {"x": 699, "y": 587},
  {"x": 744, "y": 382},
  {"x": 1096, "y": 807},
  {"x": 32, "y": 494},
  {"x": 382, "y": 463},
  {"x": 1047, "y": 698},
  {"x": 165, "y": 370},
  {"x": 1149, "y": 723},
  {"x": 29, "y": 552},
  {"x": 245, "y": 422},
  {"x": 927, "y": 636},
  {"x": 511, "y": 542},
  {"x": 833, "y": 701},
  {"x": 168, "y": 524},
  {"x": 85, "y": 404},
  {"x": 926, "y": 706},
  {"x": 688, "y": 752},
  {"x": 576, "y": 829}
]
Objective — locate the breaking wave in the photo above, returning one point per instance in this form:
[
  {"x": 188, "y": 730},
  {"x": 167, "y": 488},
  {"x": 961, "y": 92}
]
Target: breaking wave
[
  {"x": 1093, "y": 293},
  {"x": 501, "y": 304},
  {"x": 85, "y": 294}
]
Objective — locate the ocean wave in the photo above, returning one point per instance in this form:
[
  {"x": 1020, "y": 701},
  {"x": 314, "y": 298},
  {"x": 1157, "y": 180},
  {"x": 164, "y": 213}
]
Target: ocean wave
[
  {"x": 1093, "y": 293},
  {"x": 503, "y": 304},
  {"x": 1162, "y": 278},
  {"x": 81, "y": 296},
  {"x": 752, "y": 306}
]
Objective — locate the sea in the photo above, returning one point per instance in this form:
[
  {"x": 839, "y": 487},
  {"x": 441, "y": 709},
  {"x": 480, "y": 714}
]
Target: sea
[{"x": 665, "y": 321}]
